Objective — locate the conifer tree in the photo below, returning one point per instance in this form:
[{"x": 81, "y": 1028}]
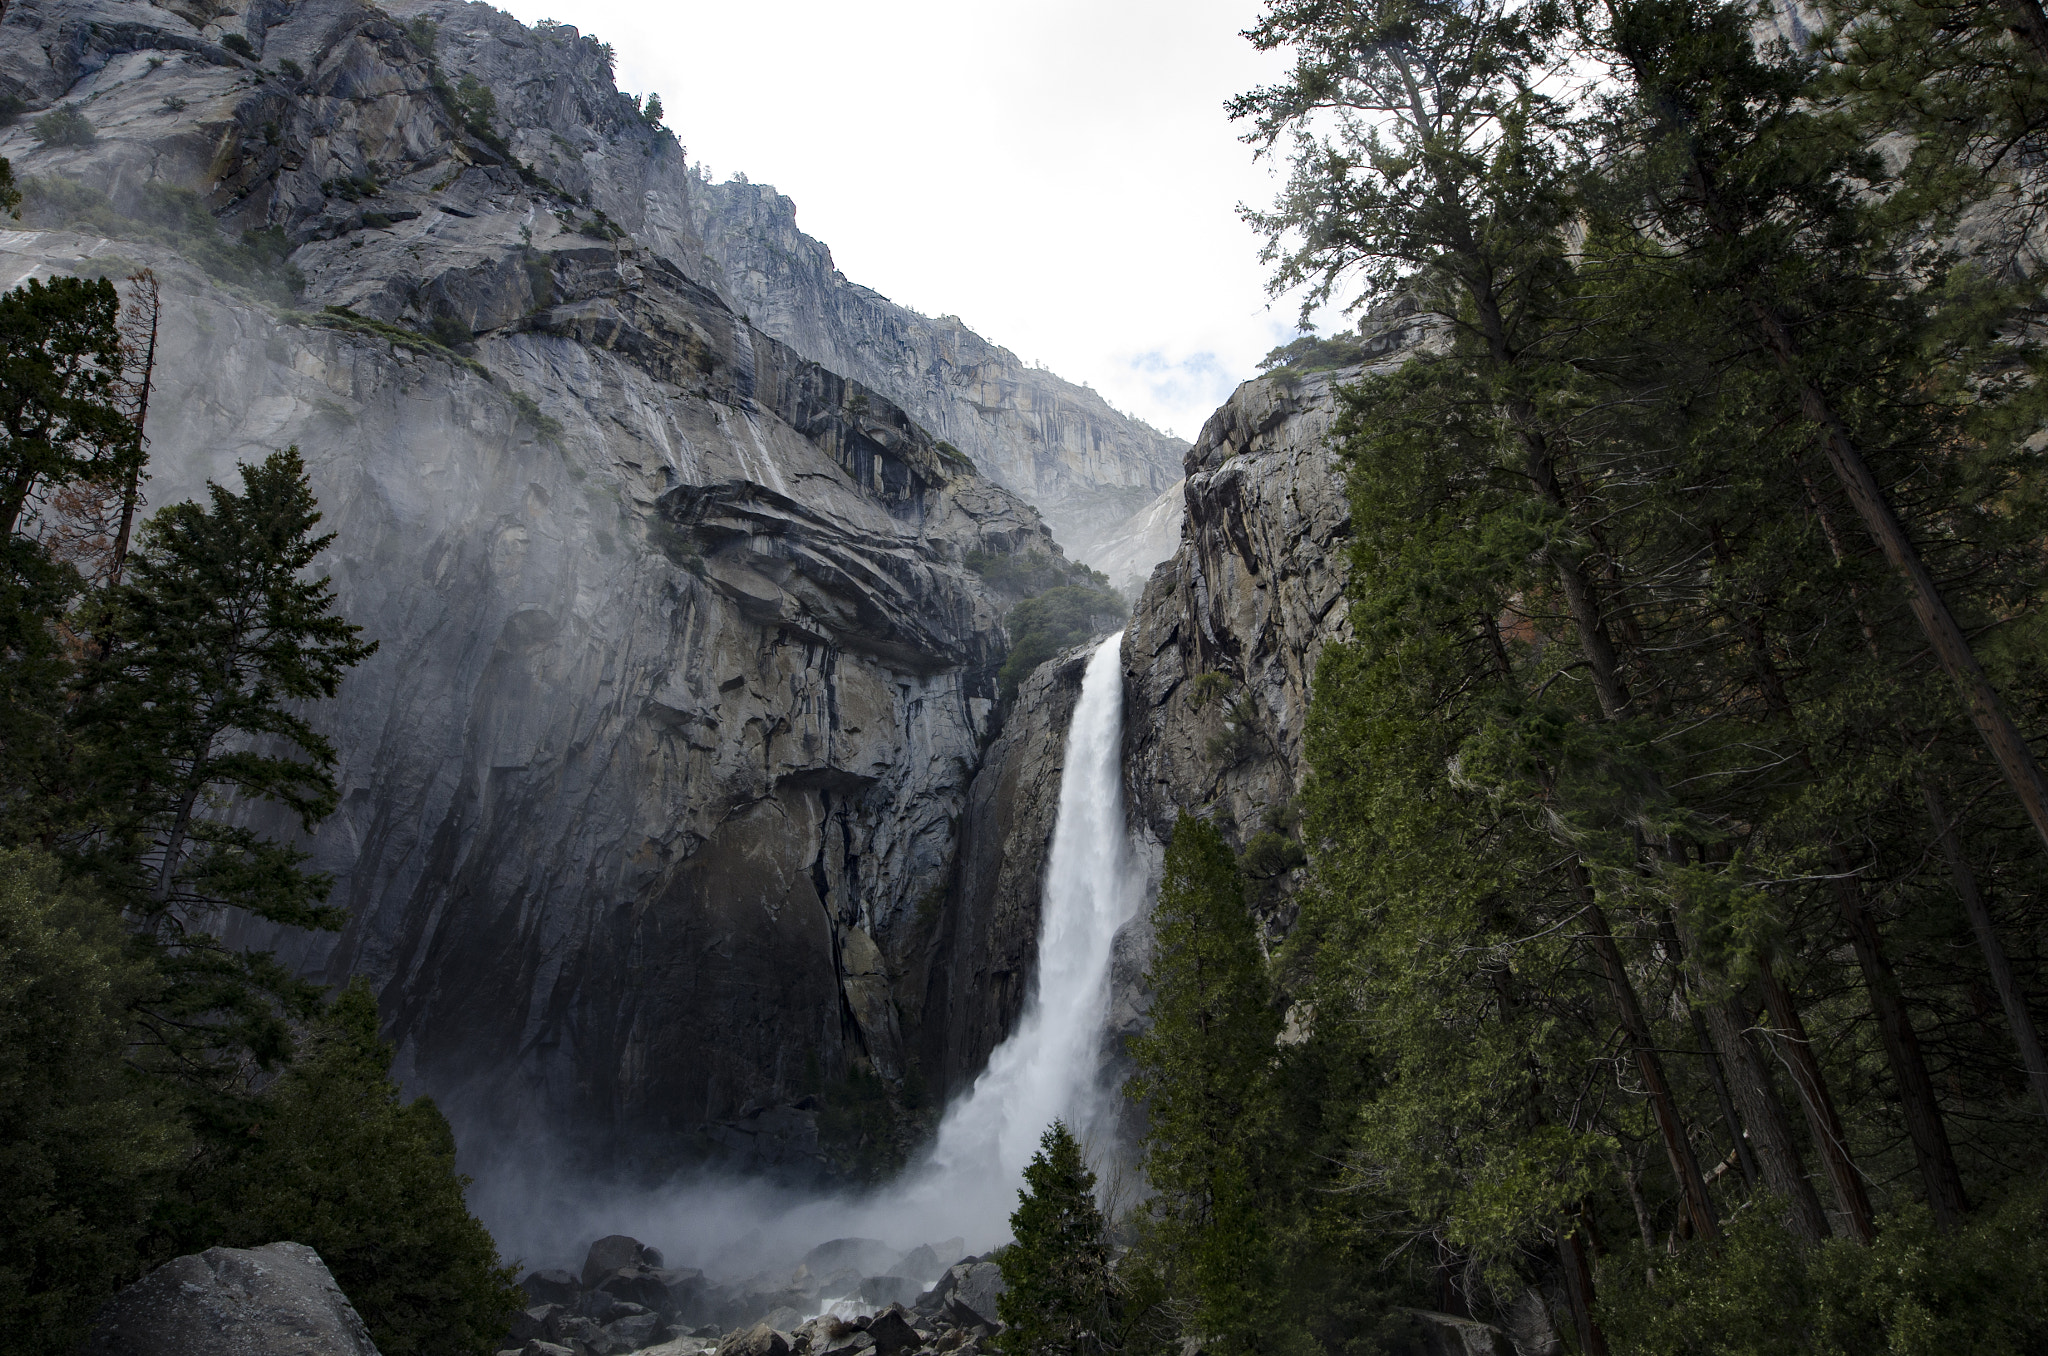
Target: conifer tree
[
  {"x": 1057, "y": 1269},
  {"x": 1205, "y": 1072},
  {"x": 332, "y": 1156},
  {"x": 210, "y": 645}
]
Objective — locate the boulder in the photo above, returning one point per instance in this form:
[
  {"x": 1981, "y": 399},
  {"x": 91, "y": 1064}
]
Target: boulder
[
  {"x": 759, "y": 1340},
  {"x": 892, "y": 1332},
  {"x": 276, "y": 1300},
  {"x": 783, "y": 1318},
  {"x": 974, "y": 1293},
  {"x": 552, "y": 1287},
  {"x": 586, "y": 1335},
  {"x": 921, "y": 1262},
  {"x": 887, "y": 1290},
  {"x": 643, "y": 1285},
  {"x": 532, "y": 1323},
  {"x": 612, "y": 1252},
  {"x": 636, "y": 1331},
  {"x": 539, "y": 1348},
  {"x": 864, "y": 1255}
]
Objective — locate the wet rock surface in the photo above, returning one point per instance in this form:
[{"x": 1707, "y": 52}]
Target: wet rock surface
[
  {"x": 651, "y": 787},
  {"x": 818, "y": 1308}
]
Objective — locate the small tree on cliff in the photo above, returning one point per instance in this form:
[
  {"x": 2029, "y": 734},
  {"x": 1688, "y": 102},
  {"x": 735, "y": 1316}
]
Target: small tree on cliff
[{"x": 1057, "y": 1271}]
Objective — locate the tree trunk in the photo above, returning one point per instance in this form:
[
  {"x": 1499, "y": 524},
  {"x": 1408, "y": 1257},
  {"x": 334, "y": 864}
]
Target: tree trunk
[
  {"x": 1577, "y": 1265},
  {"x": 131, "y": 493},
  {"x": 2010, "y": 996},
  {"x": 1756, "y": 1092},
  {"x": 1821, "y": 1117},
  {"x": 1685, "y": 1167},
  {"x": 1931, "y": 1151},
  {"x": 1944, "y": 636}
]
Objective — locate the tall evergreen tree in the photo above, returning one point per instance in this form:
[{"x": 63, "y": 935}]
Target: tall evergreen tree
[
  {"x": 1204, "y": 1071},
  {"x": 1057, "y": 1270},
  {"x": 210, "y": 645}
]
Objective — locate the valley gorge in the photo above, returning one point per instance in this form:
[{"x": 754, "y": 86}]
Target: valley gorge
[{"x": 676, "y": 793}]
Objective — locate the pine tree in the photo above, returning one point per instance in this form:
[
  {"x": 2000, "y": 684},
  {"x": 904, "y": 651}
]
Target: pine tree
[
  {"x": 210, "y": 645},
  {"x": 1057, "y": 1270},
  {"x": 63, "y": 424},
  {"x": 1205, "y": 1071},
  {"x": 88, "y": 1145}
]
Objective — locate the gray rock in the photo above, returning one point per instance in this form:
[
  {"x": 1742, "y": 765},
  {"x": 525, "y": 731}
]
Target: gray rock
[
  {"x": 892, "y": 1332},
  {"x": 611, "y": 1253},
  {"x": 1058, "y": 445},
  {"x": 276, "y": 1300},
  {"x": 921, "y": 1264},
  {"x": 974, "y": 1295},
  {"x": 635, "y": 1331},
  {"x": 680, "y": 653},
  {"x": 539, "y": 1348},
  {"x": 759, "y": 1340},
  {"x": 552, "y": 1287},
  {"x": 531, "y": 1323},
  {"x": 642, "y": 1285}
]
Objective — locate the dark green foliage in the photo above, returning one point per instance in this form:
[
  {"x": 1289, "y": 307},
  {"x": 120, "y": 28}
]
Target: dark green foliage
[
  {"x": 1057, "y": 1271},
  {"x": 1205, "y": 1074},
  {"x": 173, "y": 217},
  {"x": 1915, "y": 1292},
  {"x": 240, "y": 45},
  {"x": 211, "y": 647},
  {"x": 1042, "y": 626},
  {"x": 65, "y": 126},
  {"x": 449, "y": 332},
  {"x": 154, "y": 725},
  {"x": 1023, "y": 573},
  {"x": 11, "y": 108},
  {"x": 87, "y": 1145},
  {"x": 651, "y": 111},
  {"x": 63, "y": 426},
  {"x": 10, "y": 191},
  {"x": 291, "y": 70},
  {"x": 334, "y": 1158}
]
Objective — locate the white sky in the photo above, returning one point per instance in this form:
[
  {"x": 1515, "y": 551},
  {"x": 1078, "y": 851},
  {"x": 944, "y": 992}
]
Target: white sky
[{"x": 1057, "y": 173}]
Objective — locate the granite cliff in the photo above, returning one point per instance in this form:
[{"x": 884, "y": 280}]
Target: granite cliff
[
  {"x": 1087, "y": 467},
  {"x": 650, "y": 795}
]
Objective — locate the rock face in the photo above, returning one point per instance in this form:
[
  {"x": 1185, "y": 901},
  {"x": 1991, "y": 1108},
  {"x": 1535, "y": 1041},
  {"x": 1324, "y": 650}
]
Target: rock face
[
  {"x": 276, "y": 1300},
  {"x": 1060, "y": 446},
  {"x": 649, "y": 796},
  {"x": 1224, "y": 640},
  {"x": 981, "y": 954}
]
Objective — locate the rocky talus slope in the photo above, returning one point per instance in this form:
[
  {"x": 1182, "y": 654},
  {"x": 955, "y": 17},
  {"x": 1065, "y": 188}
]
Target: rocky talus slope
[
  {"x": 1087, "y": 467},
  {"x": 650, "y": 794}
]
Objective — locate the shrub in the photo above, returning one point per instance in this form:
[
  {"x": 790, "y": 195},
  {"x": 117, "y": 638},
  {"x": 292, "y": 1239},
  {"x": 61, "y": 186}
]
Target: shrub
[
  {"x": 239, "y": 45},
  {"x": 1041, "y": 627},
  {"x": 65, "y": 126}
]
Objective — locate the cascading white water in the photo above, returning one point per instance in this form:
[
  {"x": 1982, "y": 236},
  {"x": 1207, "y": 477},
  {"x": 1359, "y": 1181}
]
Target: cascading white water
[{"x": 1048, "y": 1068}]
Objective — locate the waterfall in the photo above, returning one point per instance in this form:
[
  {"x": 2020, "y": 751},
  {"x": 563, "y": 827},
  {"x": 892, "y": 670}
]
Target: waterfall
[{"x": 1047, "y": 1068}]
